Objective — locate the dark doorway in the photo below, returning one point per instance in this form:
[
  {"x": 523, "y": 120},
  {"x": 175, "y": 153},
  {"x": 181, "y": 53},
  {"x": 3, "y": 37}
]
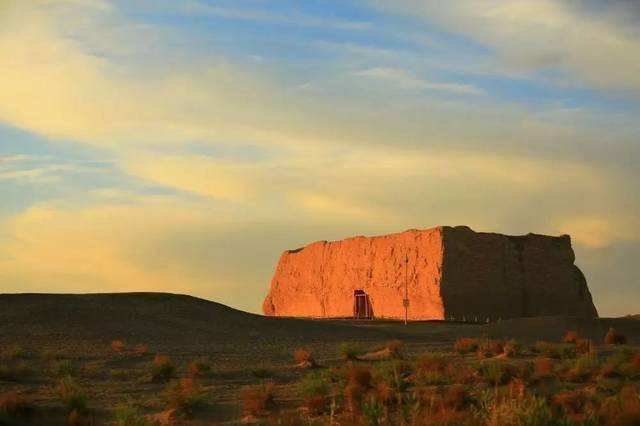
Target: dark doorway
[{"x": 362, "y": 305}]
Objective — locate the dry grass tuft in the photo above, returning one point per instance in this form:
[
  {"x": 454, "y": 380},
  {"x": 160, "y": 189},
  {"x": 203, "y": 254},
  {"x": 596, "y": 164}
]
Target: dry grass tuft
[
  {"x": 395, "y": 348},
  {"x": 571, "y": 336},
  {"x": 585, "y": 346},
  {"x": 140, "y": 350},
  {"x": 118, "y": 346},
  {"x": 489, "y": 348},
  {"x": 465, "y": 345},
  {"x": 543, "y": 367},
  {"x": 162, "y": 369},
  {"x": 303, "y": 358},
  {"x": 258, "y": 399},
  {"x": 614, "y": 338},
  {"x": 198, "y": 367},
  {"x": 185, "y": 395},
  {"x": 72, "y": 395}
]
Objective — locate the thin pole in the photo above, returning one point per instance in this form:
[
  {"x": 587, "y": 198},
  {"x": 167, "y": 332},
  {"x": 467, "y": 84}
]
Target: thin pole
[{"x": 406, "y": 290}]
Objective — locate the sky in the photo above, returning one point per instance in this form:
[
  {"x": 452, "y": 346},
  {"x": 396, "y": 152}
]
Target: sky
[{"x": 183, "y": 146}]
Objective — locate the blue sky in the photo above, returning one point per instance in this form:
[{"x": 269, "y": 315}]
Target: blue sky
[{"x": 182, "y": 146}]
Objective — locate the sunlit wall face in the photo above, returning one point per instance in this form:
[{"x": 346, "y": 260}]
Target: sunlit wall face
[{"x": 182, "y": 146}]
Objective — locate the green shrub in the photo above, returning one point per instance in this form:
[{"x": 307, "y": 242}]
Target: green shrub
[
  {"x": 185, "y": 395},
  {"x": 495, "y": 372},
  {"x": 315, "y": 392},
  {"x": 351, "y": 351},
  {"x": 72, "y": 395},
  {"x": 162, "y": 369}
]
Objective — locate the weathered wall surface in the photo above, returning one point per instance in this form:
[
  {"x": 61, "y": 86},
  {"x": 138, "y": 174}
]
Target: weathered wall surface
[
  {"x": 319, "y": 279},
  {"x": 451, "y": 272},
  {"x": 487, "y": 274}
]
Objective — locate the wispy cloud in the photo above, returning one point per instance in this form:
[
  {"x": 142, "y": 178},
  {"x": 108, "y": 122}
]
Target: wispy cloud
[{"x": 405, "y": 80}]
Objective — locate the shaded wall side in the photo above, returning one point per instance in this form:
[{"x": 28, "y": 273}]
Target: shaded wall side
[{"x": 497, "y": 276}]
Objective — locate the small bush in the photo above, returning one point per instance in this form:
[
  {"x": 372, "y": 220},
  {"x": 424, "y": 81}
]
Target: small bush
[
  {"x": 351, "y": 351},
  {"x": 140, "y": 350},
  {"x": 315, "y": 392},
  {"x": 614, "y": 338},
  {"x": 466, "y": 345},
  {"x": 495, "y": 372},
  {"x": 489, "y": 348},
  {"x": 395, "y": 348},
  {"x": 432, "y": 362},
  {"x": 303, "y": 358},
  {"x": 359, "y": 375},
  {"x": 583, "y": 368},
  {"x": 162, "y": 369},
  {"x": 571, "y": 337},
  {"x": 257, "y": 399},
  {"x": 118, "y": 346},
  {"x": 198, "y": 367},
  {"x": 512, "y": 348},
  {"x": 72, "y": 395},
  {"x": 543, "y": 367},
  {"x": 185, "y": 396}
]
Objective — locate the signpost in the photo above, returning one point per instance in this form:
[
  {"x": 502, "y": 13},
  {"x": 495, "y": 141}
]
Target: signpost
[{"x": 405, "y": 301}]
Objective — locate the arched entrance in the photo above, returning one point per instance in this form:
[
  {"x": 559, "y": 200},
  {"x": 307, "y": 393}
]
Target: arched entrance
[{"x": 362, "y": 308}]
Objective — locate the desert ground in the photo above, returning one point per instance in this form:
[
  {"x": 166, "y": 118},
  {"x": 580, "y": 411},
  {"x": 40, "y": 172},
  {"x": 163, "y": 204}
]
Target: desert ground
[{"x": 151, "y": 358}]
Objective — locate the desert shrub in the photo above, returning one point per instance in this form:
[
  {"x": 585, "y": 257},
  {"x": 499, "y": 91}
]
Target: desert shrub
[
  {"x": 129, "y": 415},
  {"x": 118, "y": 346},
  {"x": 261, "y": 373},
  {"x": 14, "y": 371},
  {"x": 315, "y": 392},
  {"x": 494, "y": 372},
  {"x": 529, "y": 411},
  {"x": 395, "y": 348},
  {"x": 394, "y": 373},
  {"x": 543, "y": 367},
  {"x": 162, "y": 369},
  {"x": 614, "y": 338},
  {"x": 359, "y": 375},
  {"x": 571, "y": 336},
  {"x": 574, "y": 404},
  {"x": 582, "y": 368},
  {"x": 13, "y": 407},
  {"x": 432, "y": 368},
  {"x": 512, "y": 348},
  {"x": 257, "y": 399},
  {"x": 303, "y": 357},
  {"x": 433, "y": 361},
  {"x": 185, "y": 395},
  {"x": 140, "y": 350},
  {"x": 72, "y": 395},
  {"x": 63, "y": 368},
  {"x": 199, "y": 367},
  {"x": 350, "y": 351},
  {"x": 465, "y": 345},
  {"x": 488, "y": 348}
]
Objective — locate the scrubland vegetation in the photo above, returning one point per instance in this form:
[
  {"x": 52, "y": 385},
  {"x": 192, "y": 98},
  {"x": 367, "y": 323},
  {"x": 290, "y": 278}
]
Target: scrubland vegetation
[{"x": 474, "y": 381}]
